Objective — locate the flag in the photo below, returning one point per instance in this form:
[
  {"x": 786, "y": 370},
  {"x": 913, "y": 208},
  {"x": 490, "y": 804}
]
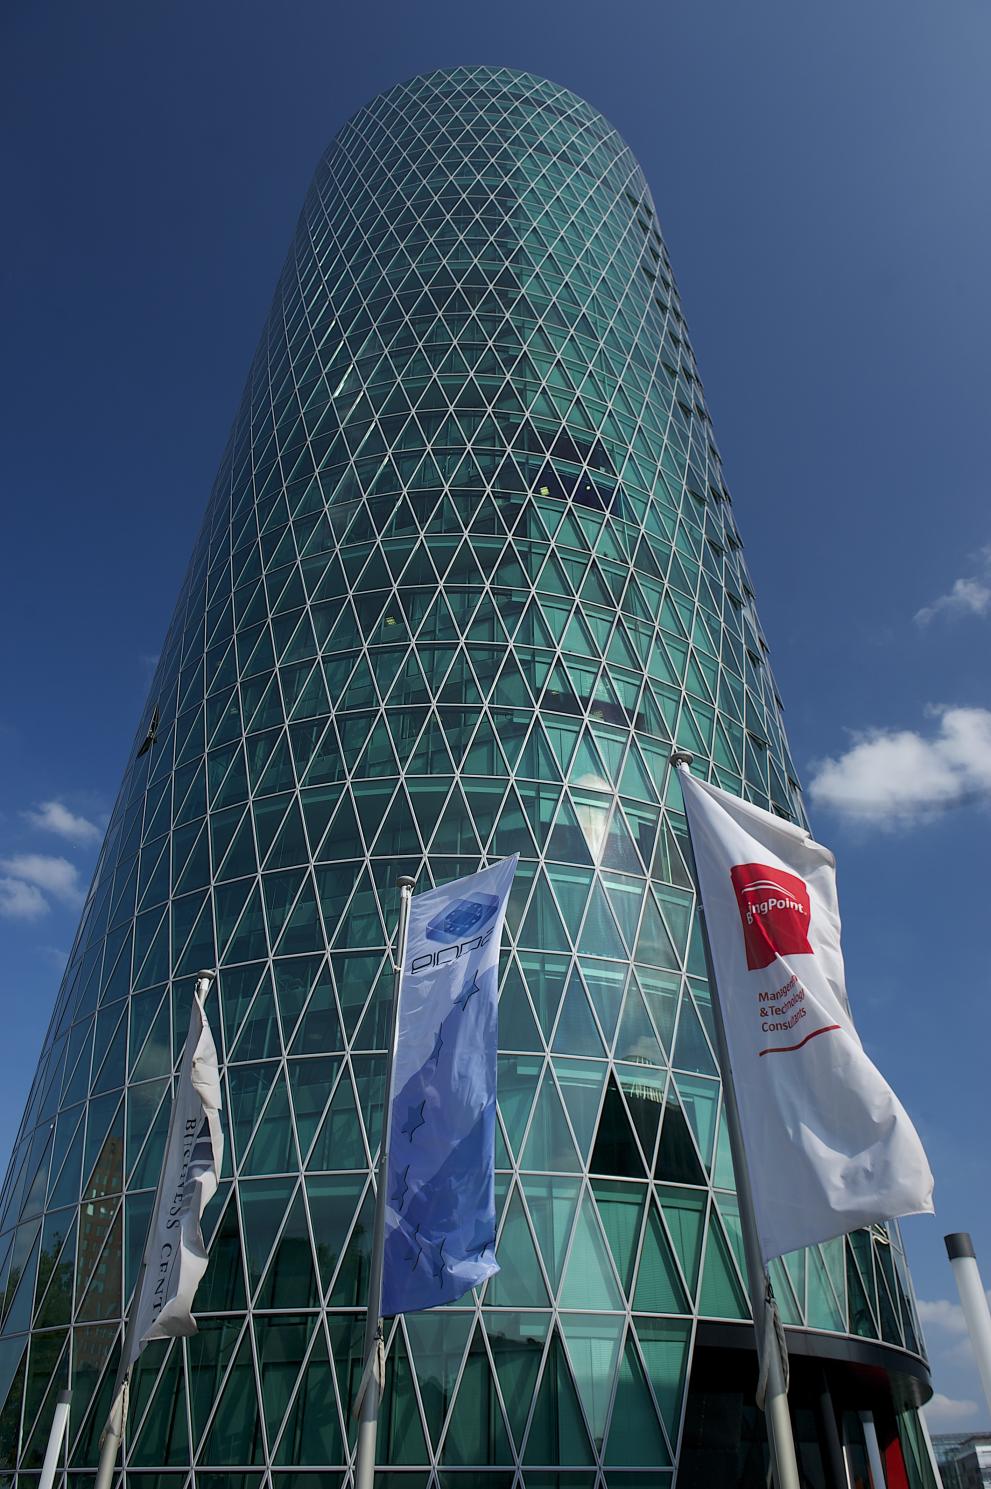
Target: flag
[
  {"x": 440, "y": 1172},
  {"x": 829, "y": 1145},
  {"x": 175, "y": 1257}
]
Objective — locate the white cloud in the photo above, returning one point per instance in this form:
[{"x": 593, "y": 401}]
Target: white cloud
[
  {"x": 943, "y": 1411},
  {"x": 946, "y": 1330},
  {"x": 54, "y": 816},
  {"x": 966, "y": 596},
  {"x": 940, "y": 1313},
  {"x": 48, "y": 872},
  {"x": 893, "y": 777},
  {"x": 20, "y": 901},
  {"x": 959, "y": 1354}
]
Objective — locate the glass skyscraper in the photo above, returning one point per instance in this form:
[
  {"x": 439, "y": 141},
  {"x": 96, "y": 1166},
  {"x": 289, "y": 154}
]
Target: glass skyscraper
[{"x": 469, "y": 570}]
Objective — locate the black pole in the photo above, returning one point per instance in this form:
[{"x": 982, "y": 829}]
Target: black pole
[{"x": 829, "y": 1432}]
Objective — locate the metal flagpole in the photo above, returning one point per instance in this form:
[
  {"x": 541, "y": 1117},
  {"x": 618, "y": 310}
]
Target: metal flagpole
[
  {"x": 114, "y": 1430},
  {"x": 55, "y": 1439},
  {"x": 770, "y": 1351},
  {"x": 874, "y": 1458},
  {"x": 370, "y": 1386},
  {"x": 973, "y": 1301}
]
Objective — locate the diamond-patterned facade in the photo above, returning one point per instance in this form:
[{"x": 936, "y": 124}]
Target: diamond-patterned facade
[{"x": 468, "y": 572}]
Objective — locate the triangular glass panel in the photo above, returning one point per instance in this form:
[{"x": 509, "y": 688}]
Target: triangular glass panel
[
  {"x": 332, "y": 1202},
  {"x": 517, "y": 1083},
  {"x": 311, "y": 1435},
  {"x": 264, "y": 1203},
  {"x": 350, "y": 1287},
  {"x": 659, "y": 1288},
  {"x": 273, "y": 1149},
  {"x": 589, "y": 1281},
  {"x": 677, "y": 1158},
  {"x": 552, "y": 1203},
  {"x": 310, "y": 1083},
  {"x": 581, "y": 1083},
  {"x": 594, "y": 1342},
  {"x": 605, "y": 984},
  {"x": 684, "y": 1213},
  {"x": 616, "y": 1151},
  {"x": 661, "y": 993},
  {"x": 721, "y": 1295},
  {"x": 700, "y": 1103},
  {"x": 517, "y": 1026},
  {"x": 636, "y": 1437},
  {"x": 665, "y": 1349},
  {"x": 290, "y": 1281},
  {"x": 163, "y": 1437},
  {"x": 542, "y": 927},
  {"x": 319, "y": 1028},
  {"x": 557, "y": 1430},
  {"x": 517, "y": 1344},
  {"x": 536, "y": 758},
  {"x": 823, "y": 1310},
  {"x": 338, "y": 1144},
  {"x": 636, "y": 1040},
  {"x": 437, "y": 1345},
  {"x": 258, "y": 1037},
  {"x": 518, "y": 1283},
  {"x": 476, "y": 1432},
  {"x": 654, "y": 944},
  {"x": 862, "y": 1319},
  {"x": 235, "y": 1435},
  {"x": 621, "y": 1208},
  {"x": 545, "y": 976},
  {"x": 691, "y": 1051},
  {"x": 600, "y": 936},
  {"x": 549, "y": 1146},
  {"x": 281, "y": 1343},
  {"x": 568, "y": 838},
  {"x": 290, "y": 845},
  {"x": 576, "y": 1033},
  {"x": 222, "y": 1289}
]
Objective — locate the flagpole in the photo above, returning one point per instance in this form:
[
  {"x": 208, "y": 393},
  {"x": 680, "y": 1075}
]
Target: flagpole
[
  {"x": 114, "y": 1431},
  {"x": 56, "y": 1437},
  {"x": 780, "y": 1437},
  {"x": 370, "y": 1386}
]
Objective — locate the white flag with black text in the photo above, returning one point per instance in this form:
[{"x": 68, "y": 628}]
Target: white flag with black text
[{"x": 175, "y": 1256}]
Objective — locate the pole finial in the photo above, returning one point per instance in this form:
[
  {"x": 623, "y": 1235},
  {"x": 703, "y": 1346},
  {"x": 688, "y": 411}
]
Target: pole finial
[
  {"x": 406, "y": 881},
  {"x": 205, "y": 981},
  {"x": 681, "y": 757}
]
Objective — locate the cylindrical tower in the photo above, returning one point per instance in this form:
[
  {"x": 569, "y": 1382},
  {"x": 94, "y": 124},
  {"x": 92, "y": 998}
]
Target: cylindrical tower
[{"x": 469, "y": 570}]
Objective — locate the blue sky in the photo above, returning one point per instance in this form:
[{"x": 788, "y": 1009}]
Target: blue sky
[{"x": 821, "y": 177}]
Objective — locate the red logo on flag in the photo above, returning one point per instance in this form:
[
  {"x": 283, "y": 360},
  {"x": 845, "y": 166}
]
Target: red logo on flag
[{"x": 774, "y": 908}]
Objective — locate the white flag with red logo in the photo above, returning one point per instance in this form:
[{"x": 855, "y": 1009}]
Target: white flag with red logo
[{"x": 829, "y": 1145}]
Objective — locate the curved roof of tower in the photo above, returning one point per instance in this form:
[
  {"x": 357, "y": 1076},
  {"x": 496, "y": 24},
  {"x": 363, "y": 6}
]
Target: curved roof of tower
[{"x": 545, "y": 92}]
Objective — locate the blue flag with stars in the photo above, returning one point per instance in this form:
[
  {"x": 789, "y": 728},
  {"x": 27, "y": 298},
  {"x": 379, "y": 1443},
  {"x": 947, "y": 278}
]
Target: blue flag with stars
[{"x": 440, "y": 1197}]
